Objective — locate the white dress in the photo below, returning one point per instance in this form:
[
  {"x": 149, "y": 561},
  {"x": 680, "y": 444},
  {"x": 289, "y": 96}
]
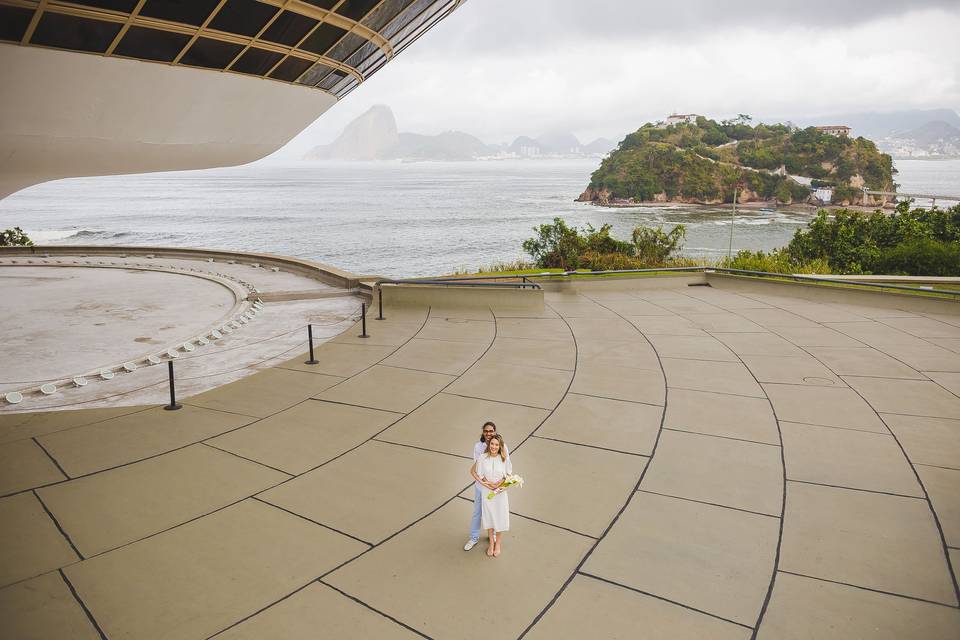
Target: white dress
[{"x": 495, "y": 512}]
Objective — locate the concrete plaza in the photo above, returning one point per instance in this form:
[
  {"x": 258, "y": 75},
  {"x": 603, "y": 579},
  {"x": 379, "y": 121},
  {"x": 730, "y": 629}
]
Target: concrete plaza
[{"x": 725, "y": 461}]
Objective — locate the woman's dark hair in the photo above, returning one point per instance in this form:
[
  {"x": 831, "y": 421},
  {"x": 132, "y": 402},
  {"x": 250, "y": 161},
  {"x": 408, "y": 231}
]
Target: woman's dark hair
[{"x": 485, "y": 425}]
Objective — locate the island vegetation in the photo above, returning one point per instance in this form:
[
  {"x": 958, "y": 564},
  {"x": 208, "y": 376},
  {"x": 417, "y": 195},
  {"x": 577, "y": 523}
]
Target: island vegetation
[
  {"x": 909, "y": 241},
  {"x": 703, "y": 161}
]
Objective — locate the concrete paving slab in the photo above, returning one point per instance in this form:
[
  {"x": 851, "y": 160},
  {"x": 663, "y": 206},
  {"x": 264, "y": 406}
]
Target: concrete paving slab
[
  {"x": 685, "y": 305},
  {"x": 43, "y": 608},
  {"x": 725, "y": 299},
  {"x": 521, "y": 311},
  {"x": 591, "y": 608},
  {"x": 759, "y": 344},
  {"x": 823, "y": 312},
  {"x": 924, "y": 327},
  {"x": 603, "y": 329},
  {"x": 395, "y": 484},
  {"x": 602, "y": 422},
  {"x": 913, "y": 397},
  {"x": 424, "y": 579},
  {"x": 817, "y": 337},
  {"x": 931, "y": 441},
  {"x": 402, "y": 313},
  {"x": 536, "y": 328},
  {"x": 197, "y": 579},
  {"x": 436, "y": 356},
  {"x": 318, "y": 609},
  {"x": 458, "y": 329},
  {"x": 719, "y": 377},
  {"x": 24, "y": 465},
  {"x": 948, "y": 380},
  {"x": 863, "y": 361},
  {"x": 551, "y": 354},
  {"x": 874, "y": 333},
  {"x": 30, "y": 543},
  {"x": 619, "y": 383},
  {"x": 731, "y": 473},
  {"x": 804, "y": 609},
  {"x": 721, "y": 415},
  {"x": 338, "y": 359},
  {"x": 672, "y": 325},
  {"x": 692, "y": 348},
  {"x": 572, "y": 486},
  {"x": 726, "y": 323},
  {"x": 878, "y": 311},
  {"x": 530, "y": 386},
  {"x": 775, "y": 318},
  {"x": 387, "y": 388},
  {"x": 923, "y": 356},
  {"x": 882, "y": 542},
  {"x": 452, "y": 424},
  {"x": 388, "y": 333},
  {"x": 264, "y": 393},
  {"x": 713, "y": 559},
  {"x": 306, "y": 435},
  {"x": 824, "y": 406},
  {"x": 846, "y": 458},
  {"x": 106, "y": 510},
  {"x": 943, "y": 487},
  {"x": 636, "y": 307},
  {"x": 952, "y": 344},
  {"x": 803, "y": 370},
  {"x": 581, "y": 308},
  {"x": 126, "y": 439},
  {"x": 18, "y": 426},
  {"x": 636, "y": 353},
  {"x": 949, "y": 318},
  {"x": 461, "y": 312}
]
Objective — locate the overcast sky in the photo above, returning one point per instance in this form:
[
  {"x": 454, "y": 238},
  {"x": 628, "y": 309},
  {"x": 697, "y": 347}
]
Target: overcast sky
[{"x": 502, "y": 68}]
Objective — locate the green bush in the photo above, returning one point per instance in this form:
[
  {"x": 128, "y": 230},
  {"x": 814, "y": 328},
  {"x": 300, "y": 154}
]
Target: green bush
[
  {"x": 777, "y": 261},
  {"x": 921, "y": 257},
  {"x": 15, "y": 238},
  {"x": 558, "y": 245}
]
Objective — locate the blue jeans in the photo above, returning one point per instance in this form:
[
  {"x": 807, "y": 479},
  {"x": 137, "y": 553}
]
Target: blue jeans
[{"x": 475, "y": 520}]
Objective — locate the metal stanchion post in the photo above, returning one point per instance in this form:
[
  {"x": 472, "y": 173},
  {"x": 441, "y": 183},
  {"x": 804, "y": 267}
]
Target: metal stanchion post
[
  {"x": 380, "y": 303},
  {"x": 363, "y": 319},
  {"x": 312, "y": 360},
  {"x": 173, "y": 406}
]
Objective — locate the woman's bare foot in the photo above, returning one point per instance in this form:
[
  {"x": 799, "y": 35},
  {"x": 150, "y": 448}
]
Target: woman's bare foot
[
  {"x": 491, "y": 548},
  {"x": 496, "y": 549}
]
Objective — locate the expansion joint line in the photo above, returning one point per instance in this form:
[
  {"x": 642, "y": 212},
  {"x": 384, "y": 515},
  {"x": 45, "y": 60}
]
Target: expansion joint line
[{"x": 578, "y": 569}]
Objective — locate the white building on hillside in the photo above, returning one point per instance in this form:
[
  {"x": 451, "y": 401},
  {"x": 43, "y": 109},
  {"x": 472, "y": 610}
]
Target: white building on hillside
[{"x": 681, "y": 118}]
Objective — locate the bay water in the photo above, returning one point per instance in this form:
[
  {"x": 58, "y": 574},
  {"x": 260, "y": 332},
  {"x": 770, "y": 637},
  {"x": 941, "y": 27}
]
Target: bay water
[{"x": 394, "y": 219}]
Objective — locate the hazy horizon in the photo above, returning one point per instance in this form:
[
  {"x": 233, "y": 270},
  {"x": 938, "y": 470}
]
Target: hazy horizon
[{"x": 604, "y": 69}]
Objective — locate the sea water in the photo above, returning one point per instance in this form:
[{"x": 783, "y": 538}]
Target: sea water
[{"x": 395, "y": 219}]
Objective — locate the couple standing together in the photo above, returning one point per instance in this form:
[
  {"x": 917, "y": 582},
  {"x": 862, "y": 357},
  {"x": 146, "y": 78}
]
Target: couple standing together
[{"x": 491, "y": 464}]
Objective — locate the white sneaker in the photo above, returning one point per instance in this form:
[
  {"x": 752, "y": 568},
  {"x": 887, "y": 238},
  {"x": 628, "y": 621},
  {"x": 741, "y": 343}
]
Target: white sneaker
[{"x": 470, "y": 544}]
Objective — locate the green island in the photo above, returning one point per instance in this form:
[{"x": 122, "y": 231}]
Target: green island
[{"x": 701, "y": 162}]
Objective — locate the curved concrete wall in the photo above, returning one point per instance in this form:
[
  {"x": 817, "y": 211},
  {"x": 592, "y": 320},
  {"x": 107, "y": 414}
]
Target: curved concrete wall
[{"x": 66, "y": 114}]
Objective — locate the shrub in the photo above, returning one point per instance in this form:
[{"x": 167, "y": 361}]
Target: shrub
[
  {"x": 15, "y": 238},
  {"x": 921, "y": 257},
  {"x": 777, "y": 261},
  {"x": 653, "y": 246},
  {"x": 556, "y": 245}
]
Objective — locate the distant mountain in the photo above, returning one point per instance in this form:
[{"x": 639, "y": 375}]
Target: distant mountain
[
  {"x": 450, "y": 145},
  {"x": 559, "y": 143},
  {"x": 372, "y": 136},
  {"x": 600, "y": 145},
  {"x": 933, "y": 139},
  {"x": 881, "y": 125}
]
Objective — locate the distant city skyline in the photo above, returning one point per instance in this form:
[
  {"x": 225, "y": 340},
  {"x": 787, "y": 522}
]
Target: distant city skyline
[{"x": 499, "y": 69}]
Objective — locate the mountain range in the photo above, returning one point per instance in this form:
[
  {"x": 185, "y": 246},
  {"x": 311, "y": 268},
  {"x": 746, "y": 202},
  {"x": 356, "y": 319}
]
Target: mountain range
[{"x": 374, "y": 136}]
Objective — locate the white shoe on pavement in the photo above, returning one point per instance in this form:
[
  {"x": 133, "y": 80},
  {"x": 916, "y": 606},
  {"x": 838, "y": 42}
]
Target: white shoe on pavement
[{"x": 470, "y": 544}]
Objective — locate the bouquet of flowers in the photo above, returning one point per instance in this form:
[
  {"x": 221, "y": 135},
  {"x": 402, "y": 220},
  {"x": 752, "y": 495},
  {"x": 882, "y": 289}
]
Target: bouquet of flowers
[{"x": 508, "y": 481}]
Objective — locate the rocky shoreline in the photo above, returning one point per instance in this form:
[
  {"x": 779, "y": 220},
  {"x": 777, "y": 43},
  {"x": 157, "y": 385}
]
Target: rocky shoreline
[{"x": 745, "y": 198}]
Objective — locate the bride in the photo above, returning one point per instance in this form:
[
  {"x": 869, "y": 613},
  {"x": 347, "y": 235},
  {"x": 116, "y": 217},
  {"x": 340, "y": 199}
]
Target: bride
[{"x": 489, "y": 470}]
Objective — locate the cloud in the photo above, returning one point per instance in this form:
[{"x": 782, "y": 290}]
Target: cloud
[{"x": 499, "y": 69}]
